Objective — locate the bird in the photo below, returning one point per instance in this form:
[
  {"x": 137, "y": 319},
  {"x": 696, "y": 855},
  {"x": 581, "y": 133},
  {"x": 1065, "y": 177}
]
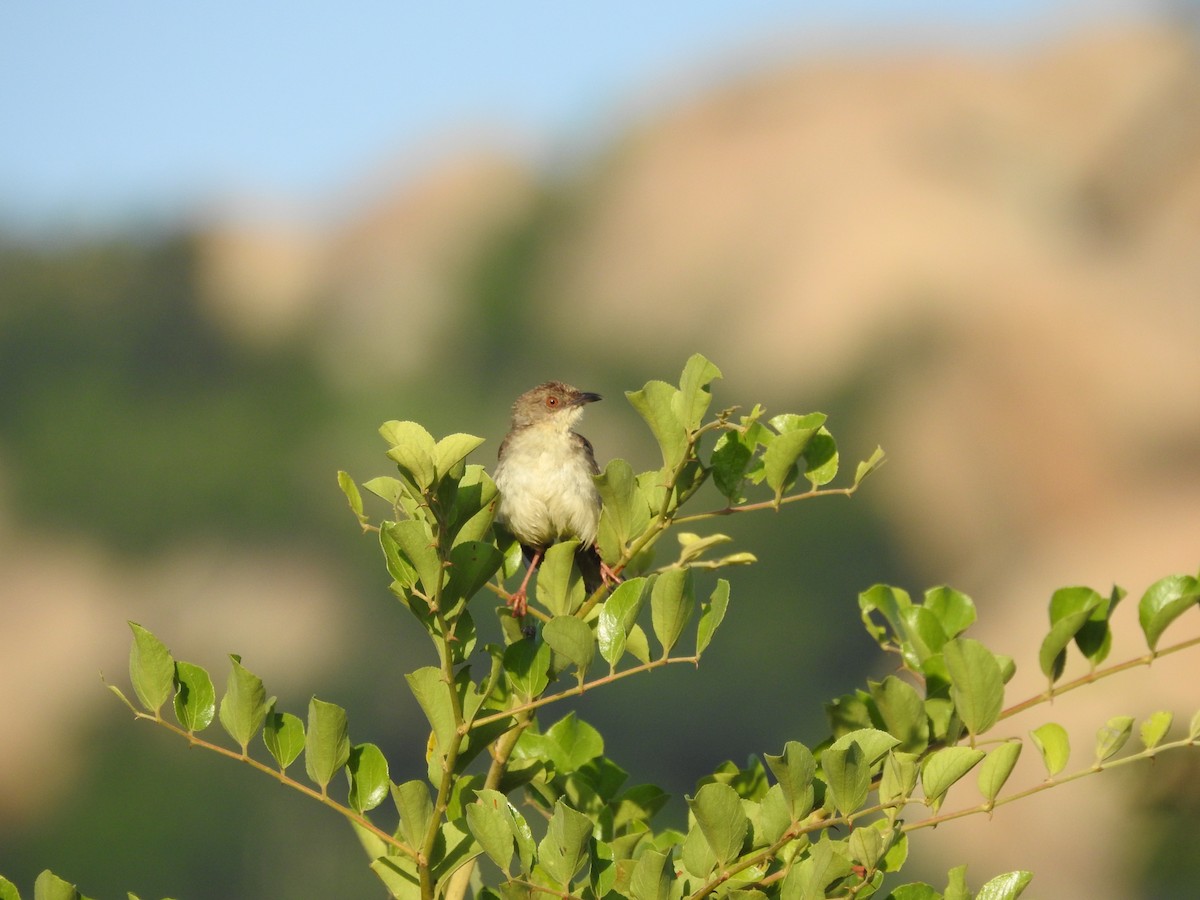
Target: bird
[{"x": 544, "y": 481}]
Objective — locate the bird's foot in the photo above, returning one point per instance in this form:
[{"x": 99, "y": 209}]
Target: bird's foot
[
  {"x": 607, "y": 575},
  {"x": 518, "y": 602}
]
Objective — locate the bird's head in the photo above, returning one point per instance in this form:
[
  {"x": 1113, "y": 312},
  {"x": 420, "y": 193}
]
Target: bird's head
[{"x": 552, "y": 402}]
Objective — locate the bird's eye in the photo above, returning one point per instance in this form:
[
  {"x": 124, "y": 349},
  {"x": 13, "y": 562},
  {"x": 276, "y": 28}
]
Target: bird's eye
[{"x": 552, "y": 402}]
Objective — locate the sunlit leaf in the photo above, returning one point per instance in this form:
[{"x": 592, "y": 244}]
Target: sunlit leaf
[
  {"x": 1165, "y": 601},
  {"x": 1052, "y": 742},
  {"x": 368, "y": 772},
  {"x": 1155, "y": 728},
  {"x": 1005, "y": 887},
  {"x": 1112, "y": 737},
  {"x": 572, "y": 638},
  {"x": 656, "y": 404},
  {"x": 283, "y": 733},
  {"x": 671, "y": 605},
  {"x": 195, "y": 698},
  {"x": 244, "y": 705},
  {"x": 997, "y": 768},
  {"x": 976, "y": 686},
  {"x": 326, "y": 743},
  {"x": 712, "y": 614},
  {"x": 718, "y": 811},
  {"x": 942, "y": 768},
  {"x": 151, "y": 668}
]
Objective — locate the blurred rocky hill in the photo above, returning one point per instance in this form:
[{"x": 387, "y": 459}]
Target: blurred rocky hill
[
  {"x": 991, "y": 261},
  {"x": 999, "y": 254}
]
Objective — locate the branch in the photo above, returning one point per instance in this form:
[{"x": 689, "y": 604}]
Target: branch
[
  {"x": 283, "y": 778},
  {"x": 582, "y": 688},
  {"x": 1054, "y": 781},
  {"x": 1096, "y": 675},
  {"x": 769, "y": 504}
]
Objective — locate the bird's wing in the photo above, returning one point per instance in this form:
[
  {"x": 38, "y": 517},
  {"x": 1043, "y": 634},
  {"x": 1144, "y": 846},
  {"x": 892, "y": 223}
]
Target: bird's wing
[{"x": 581, "y": 441}]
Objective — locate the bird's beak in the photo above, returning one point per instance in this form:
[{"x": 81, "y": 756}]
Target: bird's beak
[{"x": 587, "y": 397}]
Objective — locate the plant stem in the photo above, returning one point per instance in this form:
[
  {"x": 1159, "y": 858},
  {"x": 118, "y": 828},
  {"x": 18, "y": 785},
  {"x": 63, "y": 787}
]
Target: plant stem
[
  {"x": 283, "y": 778},
  {"x": 582, "y": 688},
  {"x": 1096, "y": 675}
]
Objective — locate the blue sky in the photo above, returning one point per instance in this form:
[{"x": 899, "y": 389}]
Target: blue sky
[{"x": 116, "y": 108}]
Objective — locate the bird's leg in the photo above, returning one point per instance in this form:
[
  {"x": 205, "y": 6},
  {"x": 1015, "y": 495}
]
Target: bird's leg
[
  {"x": 607, "y": 575},
  {"x": 517, "y": 600}
]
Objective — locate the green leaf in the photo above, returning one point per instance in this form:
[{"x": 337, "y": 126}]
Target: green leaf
[
  {"x": 997, "y": 768},
  {"x": 353, "y": 497},
  {"x": 943, "y": 768},
  {"x": 416, "y": 811},
  {"x": 49, "y": 886},
  {"x": 638, "y": 804},
  {"x": 1155, "y": 728},
  {"x": 433, "y": 696},
  {"x": 718, "y": 811},
  {"x": 451, "y": 450},
  {"x": 1194, "y": 728},
  {"x": 387, "y": 488},
  {"x": 1112, "y": 737},
  {"x": 1005, "y": 887},
  {"x": 326, "y": 744},
  {"x": 526, "y": 667},
  {"x": 671, "y": 604},
  {"x": 821, "y": 458},
  {"x": 491, "y": 822},
  {"x": 1165, "y": 601},
  {"x": 368, "y": 772},
  {"x": 1094, "y": 639},
  {"x": 575, "y": 743},
  {"x": 794, "y": 769},
  {"x": 412, "y": 449},
  {"x": 651, "y": 878},
  {"x": 827, "y": 862},
  {"x": 779, "y": 459},
  {"x": 866, "y": 846},
  {"x": 695, "y": 391},
  {"x": 730, "y": 459},
  {"x": 559, "y": 584},
  {"x": 8, "y": 890},
  {"x": 420, "y": 551},
  {"x": 637, "y": 644},
  {"x": 283, "y": 733},
  {"x": 195, "y": 699},
  {"x": 573, "y": 639},
  {"x": 453, "y": 847},
  {"x": 898, "y": 779},
  {"x": 903, "y": 713},
  {"x": 617, "y": 616},
  {"x": 397, "y": 565},
  {"x": 1070, "y": 609},
  {"x": 1054, "y": 745},
  {"x": 244, "y": 705},
  {"x": 655, "y": 403},
  {"x": 956, "y": 884},
  {"x": 472, "y": 563},
  {"x": 918, "y": 890},
  {"x": 867, "y": 466},
  {"x": 399, "y": 876},
  {"x": 955, "y": 611},
  {"x": 712, "y": 614},
  {"x": 151, "y": 668},
  {"x": 976, "y": 686},
  {"x": 564, "y": 848},
  {"x": 773, "y": 818},
  {"x": 847, "y": 775},
  {"x": 625, "y": 512}
]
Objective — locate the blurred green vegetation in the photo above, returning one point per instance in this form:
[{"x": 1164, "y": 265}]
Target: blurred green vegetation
[{"x": 128, "y": 417}]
